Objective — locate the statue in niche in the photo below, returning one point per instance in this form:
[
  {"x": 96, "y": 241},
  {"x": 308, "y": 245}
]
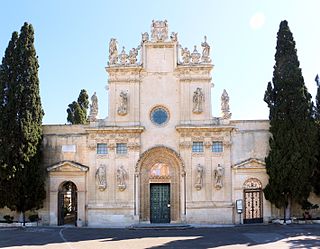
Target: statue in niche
[
  {"x": 185, "y": 53},
  {"x": 121, "y": 178},
  {"x": 198, "y": 99},
  {"x": 93, "y": 108},
  {"x": 159, "y": 30},
  {"x": 174, "y": 36},
  {"x": 218, "y": 175},
  {"x": 133, "y": 53},
  {"x": 199, "y": 177},
  {"x": 205, "y": 51},
  {"x": 101, "y": 177},
  {"x": 195, "y": 56},
  {"x": 123, "y": 57},
  {"x": 225, "y": 109},
  {"x": 145, "y": 37},
  {"x": 113, "y": 52},
  {"x": 123, "y": 106}
]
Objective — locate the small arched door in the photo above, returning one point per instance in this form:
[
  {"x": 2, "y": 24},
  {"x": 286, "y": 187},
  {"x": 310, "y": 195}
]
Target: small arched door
[
  {"x": 252, "y": 201},
  {"x": 67, "y": 204}
]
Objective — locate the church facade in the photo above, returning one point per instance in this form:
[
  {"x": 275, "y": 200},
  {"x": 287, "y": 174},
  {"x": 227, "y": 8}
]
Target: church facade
[{"x": 160, "y": 156}]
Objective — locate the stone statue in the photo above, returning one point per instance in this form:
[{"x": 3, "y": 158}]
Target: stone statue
[
  {"x": 93, "y": 108},
  {"x": 174, "y": 36},
  {"x": 218, "y": 175},
  {"x": 205, "y": 51},
  {"x": 133, "y": 53},
  {"x": 121, "y": 178},
  {"x": 225, "y": 110},
  {"x": 199, "y": 176},
  {"x": 145, "y": 37},
  {"x": 101, "y": 177},
  {"x": 123, "y": 57},
  {"x": 198, "y": 99},
  {"x": 195, "y": 56},
  {"x": 123, "y": 106},
  {"x": 113, "y": 52},
  {"x": 159, "y": 31},
  {"x": 185, "y": 53}
]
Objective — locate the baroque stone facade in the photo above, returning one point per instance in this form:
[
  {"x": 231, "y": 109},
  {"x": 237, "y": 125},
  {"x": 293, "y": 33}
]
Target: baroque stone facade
[{"x": 160, "y": 155}]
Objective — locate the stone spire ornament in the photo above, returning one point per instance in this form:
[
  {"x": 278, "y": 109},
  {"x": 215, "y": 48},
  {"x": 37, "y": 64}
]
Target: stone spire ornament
[
  {"x": 195, "y": 56},
  {"x": 113, "y": 51},
  {"x": 93, "y": 108},
  {"x": 225, "y": 109},
  {"x": 205, "y": 51}
]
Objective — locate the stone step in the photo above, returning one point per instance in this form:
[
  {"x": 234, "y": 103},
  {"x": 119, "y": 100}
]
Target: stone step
[{"x": 162, "y": 226}]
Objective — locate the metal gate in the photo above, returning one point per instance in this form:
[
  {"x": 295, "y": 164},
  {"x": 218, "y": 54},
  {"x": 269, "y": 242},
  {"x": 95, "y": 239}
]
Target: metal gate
[
  {"x": 67, "y": 204},
  {"x": 160, "y": 203},
  {"x": 253, "y": 206}
]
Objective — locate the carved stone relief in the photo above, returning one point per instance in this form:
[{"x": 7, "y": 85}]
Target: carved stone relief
[
  {"x": 113, "y": 51},
  {"x": 159, "y": 31},
  {"x": 121, "y": 178},
  {"x": 218, "y": 176},
  {"x": 185, "y": 53},
  {"x": 123, "y": 106},
  {"x": 195, "y": 56},
  {"x": 198, "y": 99},
  {"x": 199, "y": 177},
  {"x": 101, "y": 177}
]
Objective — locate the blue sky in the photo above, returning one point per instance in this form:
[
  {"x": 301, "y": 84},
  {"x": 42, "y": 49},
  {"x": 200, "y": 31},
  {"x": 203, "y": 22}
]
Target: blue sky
[{"x": 72, "y": 44}]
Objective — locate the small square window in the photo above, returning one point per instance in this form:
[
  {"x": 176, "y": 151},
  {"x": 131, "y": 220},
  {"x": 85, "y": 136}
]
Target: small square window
[
  {"x": 197, "y": 147},
  {"x": 122, "y": 148},
  {"x": 102, "y": 149},
  {"x": 217, "y": 146}
]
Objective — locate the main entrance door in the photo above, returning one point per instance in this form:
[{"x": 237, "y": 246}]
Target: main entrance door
[{"x": 160, "y": 203}]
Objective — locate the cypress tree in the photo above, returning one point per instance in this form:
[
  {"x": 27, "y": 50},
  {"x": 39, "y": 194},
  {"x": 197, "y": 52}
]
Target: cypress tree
[
  {"x": 316, "y": 172},
  {"x": 292, "y": 154},
  {"x": 77, "y": 110},
  {"x": 21, "y": 125}
]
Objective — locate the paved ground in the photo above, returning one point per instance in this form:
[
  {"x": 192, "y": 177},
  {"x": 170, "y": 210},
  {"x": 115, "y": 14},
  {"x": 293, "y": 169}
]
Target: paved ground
[{"x": 251, "y": 236}]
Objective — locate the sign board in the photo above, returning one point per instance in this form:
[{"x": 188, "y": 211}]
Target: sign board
[
  {"x": 69, "y": 148},
  {"x": 239, "y": 206}
]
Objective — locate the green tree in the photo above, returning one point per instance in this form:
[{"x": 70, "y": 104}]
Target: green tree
[
  {"x": 22, "y": 185},
  {"x": 316, "y": 172},
  {"x": 77, "y": 110},
  {"x": 292, "y": 154}
]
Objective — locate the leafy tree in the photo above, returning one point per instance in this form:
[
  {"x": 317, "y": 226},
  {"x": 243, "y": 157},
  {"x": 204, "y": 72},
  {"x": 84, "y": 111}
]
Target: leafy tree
[
  {"x": 22, "y": 178},
  {"x": 316, "y": 173},
  {"x": 77, "y": 111},
  {"x": 292, "y": 154}
]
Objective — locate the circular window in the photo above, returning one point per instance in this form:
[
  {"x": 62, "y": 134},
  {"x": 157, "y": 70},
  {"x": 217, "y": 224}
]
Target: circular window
[{"x": 159, "y": 116}]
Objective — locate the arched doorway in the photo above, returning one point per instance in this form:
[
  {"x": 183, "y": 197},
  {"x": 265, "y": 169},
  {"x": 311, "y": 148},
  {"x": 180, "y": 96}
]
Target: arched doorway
[
  {"x": 252, "y": 193},
  {"x": 160, "y": 186},
  {"x": 67, "y": 204}
]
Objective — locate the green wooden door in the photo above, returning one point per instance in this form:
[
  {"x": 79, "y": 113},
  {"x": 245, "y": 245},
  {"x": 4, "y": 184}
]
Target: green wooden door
[{"x": 160, "y": 203}]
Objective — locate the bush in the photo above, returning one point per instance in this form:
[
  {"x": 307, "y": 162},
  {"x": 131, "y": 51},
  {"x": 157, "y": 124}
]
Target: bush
[
  {"x": 33, "y": 217},
  {"x": 8, "y": 218}
]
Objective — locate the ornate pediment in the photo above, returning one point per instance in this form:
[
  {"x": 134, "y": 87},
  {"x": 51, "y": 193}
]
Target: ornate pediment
[
  {"x": 67, "y": 166},
  {"x": 251, "y": 163}
]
